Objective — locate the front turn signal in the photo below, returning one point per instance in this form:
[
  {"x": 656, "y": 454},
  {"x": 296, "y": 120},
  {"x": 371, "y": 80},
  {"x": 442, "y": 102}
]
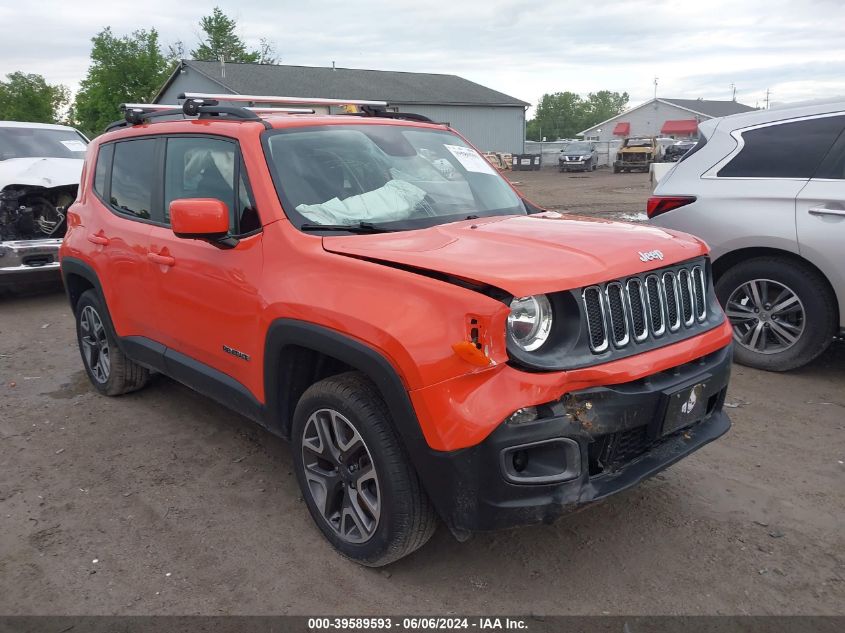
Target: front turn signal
[{"x": 471, "y": 354}]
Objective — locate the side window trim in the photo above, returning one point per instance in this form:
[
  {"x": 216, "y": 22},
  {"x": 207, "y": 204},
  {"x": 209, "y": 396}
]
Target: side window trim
[
  {"x": 835, "y": 154},
  {"x": 738, "y": 137},
  {"x": 240, "y": 168},
  {"x": 103, "y": 196}
]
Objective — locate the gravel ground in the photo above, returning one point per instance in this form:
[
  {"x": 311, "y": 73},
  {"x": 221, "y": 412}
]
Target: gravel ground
[
  {"x": 162, "y": 502},
  {"x": 600, "y": 193}
]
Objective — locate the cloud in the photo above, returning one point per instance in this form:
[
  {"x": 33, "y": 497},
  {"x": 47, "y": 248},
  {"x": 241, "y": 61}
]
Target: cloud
[{"x": 795, "y": 49}]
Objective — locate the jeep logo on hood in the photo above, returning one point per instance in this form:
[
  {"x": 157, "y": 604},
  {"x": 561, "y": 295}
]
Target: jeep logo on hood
[{"x": 650, "y": 255}]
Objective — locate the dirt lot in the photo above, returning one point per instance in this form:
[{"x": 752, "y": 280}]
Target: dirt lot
[
  {"x": 162, "y": 502},
  {"x": 601, "y": 193}
]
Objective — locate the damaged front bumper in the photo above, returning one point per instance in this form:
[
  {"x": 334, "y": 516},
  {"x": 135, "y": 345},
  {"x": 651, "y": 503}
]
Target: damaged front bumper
[
  {"x": 588, "y": 445},
  {"x": 21, "y": 260}
]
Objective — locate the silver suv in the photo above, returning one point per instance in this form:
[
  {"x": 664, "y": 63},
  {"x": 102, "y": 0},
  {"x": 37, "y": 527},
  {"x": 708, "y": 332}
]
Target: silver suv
[{"x": 766, "y": 190}]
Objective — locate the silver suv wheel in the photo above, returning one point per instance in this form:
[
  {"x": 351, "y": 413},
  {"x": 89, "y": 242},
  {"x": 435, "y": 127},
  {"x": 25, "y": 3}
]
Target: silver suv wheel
[
  {"x": 341, "y": 475},
  {"x": 767, "y": 316}
]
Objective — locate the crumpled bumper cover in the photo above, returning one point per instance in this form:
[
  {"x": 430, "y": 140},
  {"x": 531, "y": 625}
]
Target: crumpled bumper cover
[{"x": 471, "y": 488}]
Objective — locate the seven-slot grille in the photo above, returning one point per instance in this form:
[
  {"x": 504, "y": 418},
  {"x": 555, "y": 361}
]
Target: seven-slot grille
[{"x": 650, "y": 305}]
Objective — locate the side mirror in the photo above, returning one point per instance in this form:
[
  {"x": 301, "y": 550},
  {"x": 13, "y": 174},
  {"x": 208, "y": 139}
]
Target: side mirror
[{"x": 199, "y": 218}]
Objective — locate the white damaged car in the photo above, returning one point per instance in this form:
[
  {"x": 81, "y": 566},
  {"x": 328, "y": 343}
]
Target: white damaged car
[{"x": 40, "y": 166}]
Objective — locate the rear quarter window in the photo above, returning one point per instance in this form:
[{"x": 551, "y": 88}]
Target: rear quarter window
[
  {"x": 104, "y": 156},
  {"x": 784, "y": 150}
]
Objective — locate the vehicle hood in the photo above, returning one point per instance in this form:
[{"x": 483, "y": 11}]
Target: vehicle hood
[
  {"x": 586, "y": 153},
  {"x": 526, "y": 255},
  {"x": 637, "y": 150},
  {"x": 40, "y": 172}
]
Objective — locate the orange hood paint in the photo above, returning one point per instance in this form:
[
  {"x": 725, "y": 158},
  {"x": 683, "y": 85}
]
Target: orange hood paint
[{"x": 526, "y": 255}]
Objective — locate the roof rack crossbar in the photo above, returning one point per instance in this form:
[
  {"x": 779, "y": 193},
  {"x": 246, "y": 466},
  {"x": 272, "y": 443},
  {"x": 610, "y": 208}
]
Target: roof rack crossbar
[
  {"x": 281, "y": 100},
  {"x": 270, "y": 110}
]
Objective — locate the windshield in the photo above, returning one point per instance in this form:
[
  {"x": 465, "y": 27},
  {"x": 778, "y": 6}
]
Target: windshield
[
  {"x": 27, "y": 142},
  {"x": 578, "y": 148},
  {"x": 409, "y": 177},
  {"x": 638, "y": 142}
]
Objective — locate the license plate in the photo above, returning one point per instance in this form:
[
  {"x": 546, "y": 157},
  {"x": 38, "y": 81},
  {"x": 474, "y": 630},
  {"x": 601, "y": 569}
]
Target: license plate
[{"x": 686, "y": 406}]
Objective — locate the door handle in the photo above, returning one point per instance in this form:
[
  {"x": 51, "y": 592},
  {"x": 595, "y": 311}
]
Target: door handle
[
  {"x": 98, "y": 238},
  {"x": 826, "y": 211},
  {"x": 164, "y": 260}
]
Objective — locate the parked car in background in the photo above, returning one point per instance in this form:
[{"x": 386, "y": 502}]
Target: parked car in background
[
  {"x": 578, "y": 156},
  {"x": 40, "y": 165},
  {"x": 636, "y": 154},
  {"x": 766, "y": 190},
  {"x": 675, "y": 152}
]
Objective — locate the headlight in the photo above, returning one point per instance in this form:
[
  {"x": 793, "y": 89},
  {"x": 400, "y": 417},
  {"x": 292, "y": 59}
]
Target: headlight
[{"x": 530, "y": 322}]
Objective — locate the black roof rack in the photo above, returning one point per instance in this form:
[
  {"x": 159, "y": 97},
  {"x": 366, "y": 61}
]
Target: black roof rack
[{"x": 208, "y": 105}]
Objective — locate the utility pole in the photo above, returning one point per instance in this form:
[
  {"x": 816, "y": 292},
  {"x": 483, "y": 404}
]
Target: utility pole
[
  {"x": 733, "y": 91},
  {"x": 655, "y": 87},
  {"x": 767, "y": 98}
]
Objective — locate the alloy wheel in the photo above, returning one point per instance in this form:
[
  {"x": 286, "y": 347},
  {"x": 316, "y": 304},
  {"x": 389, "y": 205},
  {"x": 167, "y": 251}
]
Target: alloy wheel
[
  {"x": 767, "y": 316},
  {"x": 341, "y": 475},
  {"x": 95, "y": 344}
]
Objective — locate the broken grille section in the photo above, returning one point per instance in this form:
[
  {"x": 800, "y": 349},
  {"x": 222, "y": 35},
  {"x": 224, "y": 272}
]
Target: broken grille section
[{"x": 641, "y": 307}]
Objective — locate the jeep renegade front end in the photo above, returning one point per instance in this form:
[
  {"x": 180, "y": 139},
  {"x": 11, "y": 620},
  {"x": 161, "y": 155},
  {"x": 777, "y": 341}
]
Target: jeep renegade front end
[{"x": 368, "y": 287}]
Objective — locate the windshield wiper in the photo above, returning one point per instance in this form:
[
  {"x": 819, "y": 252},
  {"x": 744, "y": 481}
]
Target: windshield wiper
[{"x": 358, "y": 227}]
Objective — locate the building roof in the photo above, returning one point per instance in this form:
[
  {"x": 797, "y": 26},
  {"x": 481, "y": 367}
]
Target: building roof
[
  {"x": 706, "y": 108},
  {"x": 346, "y": 83},
  {"x": 710, "y": 108}
]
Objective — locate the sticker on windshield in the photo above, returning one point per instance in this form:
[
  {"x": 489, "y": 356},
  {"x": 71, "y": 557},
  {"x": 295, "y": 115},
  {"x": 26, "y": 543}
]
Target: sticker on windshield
[
  {"x": 470, "y": 159},
  {"x": 74, "y": 146}
]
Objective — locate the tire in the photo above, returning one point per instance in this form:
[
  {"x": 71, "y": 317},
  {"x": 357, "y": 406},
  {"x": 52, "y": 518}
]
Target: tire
[
  {"x": 616, "y": 169},
  {"x": 108, "y": 369},
  {"x": 593, "y": 166},
  {"x": 341, "y": 427},
  {"x": 787, "y": 338}
]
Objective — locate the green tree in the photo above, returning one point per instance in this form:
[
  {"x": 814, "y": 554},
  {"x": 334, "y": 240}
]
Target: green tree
[
  {"x": 564, "y": 114},
  {"x": 222, "y": 42},
  {"x": 27, "y": 97},
  {"x": 558, "y": 115},
  {"x": 124, "y": 69},
  {"x": 603, "y": 105}
]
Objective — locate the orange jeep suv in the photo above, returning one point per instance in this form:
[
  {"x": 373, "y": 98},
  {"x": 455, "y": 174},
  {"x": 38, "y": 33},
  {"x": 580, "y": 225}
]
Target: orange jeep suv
[{"x": 368, "y": 287}]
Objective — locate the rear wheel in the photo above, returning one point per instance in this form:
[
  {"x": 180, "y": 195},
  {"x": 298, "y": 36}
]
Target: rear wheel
[
  {"x": 782, "y": 312},
  {"x": 355, "y": 476},
  {"x": 108, "y": 369}
]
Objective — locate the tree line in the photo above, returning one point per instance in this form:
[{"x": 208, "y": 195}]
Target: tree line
[
  {"x": 124, "y": 69},
  {"x": 564, "y": 114}
]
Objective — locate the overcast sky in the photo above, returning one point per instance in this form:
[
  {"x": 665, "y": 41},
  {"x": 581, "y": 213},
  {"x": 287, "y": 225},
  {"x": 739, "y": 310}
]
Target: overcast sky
[{"x": 794, "y": 48}]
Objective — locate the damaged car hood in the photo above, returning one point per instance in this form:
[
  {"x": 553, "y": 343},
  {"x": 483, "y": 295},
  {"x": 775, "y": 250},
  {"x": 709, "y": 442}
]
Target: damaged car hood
[
  {"x": 526, "y": 255},
  {"x": 40, "y": 172}
]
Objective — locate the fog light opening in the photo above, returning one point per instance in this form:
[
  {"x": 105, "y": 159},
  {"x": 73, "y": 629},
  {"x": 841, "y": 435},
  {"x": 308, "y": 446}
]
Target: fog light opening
[
  {"x": 523, "y": 415},
  {"x": 520, "y": 461}
]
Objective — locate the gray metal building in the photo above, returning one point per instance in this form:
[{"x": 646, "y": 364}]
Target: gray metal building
[
  {"x": 675, "y": 118},
  {"x": 491, "y": 120}
]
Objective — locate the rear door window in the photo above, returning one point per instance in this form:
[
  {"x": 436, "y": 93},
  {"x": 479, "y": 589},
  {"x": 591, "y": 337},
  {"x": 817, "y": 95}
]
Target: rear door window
[
  {"x": 133, "y": 178},
  {"x": 784, "y": 150}
]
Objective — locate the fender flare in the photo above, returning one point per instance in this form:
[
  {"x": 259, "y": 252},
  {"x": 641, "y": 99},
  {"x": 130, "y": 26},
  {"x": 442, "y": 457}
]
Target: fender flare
[
  {"x": 369, "y": 361},
  {"x": 291, "y": 332},
  {"x": 74, "y": 266}
]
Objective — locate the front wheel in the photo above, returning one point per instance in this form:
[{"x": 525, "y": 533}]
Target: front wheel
[
  {"x": 782, "y": 311},
  {"x": 355, "y": 476}
]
